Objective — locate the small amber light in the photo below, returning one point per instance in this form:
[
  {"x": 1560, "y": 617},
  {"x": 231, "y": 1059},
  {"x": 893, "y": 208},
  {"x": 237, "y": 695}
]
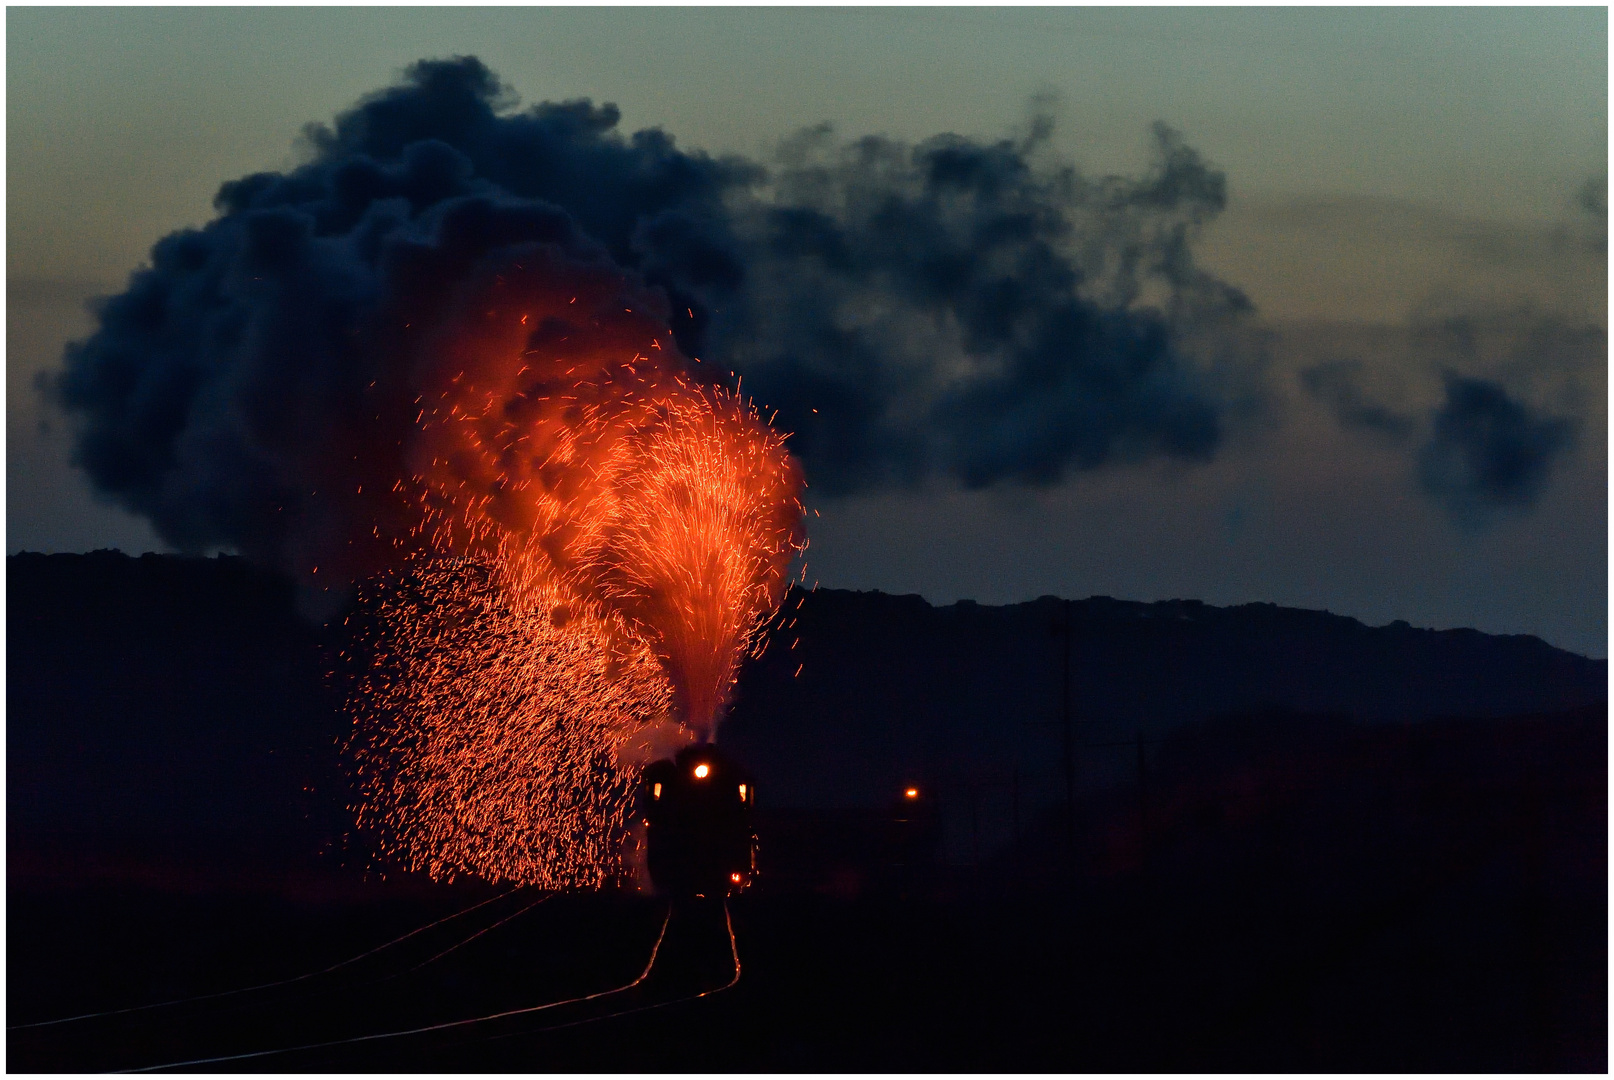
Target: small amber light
[
  {"x": 912, "y": 793},
  {"x": 734, "y": 878},
  {"x": 702, "y": 770},
  {"x": 742, "y": 793},
  {"x": 655, "y": 792}
]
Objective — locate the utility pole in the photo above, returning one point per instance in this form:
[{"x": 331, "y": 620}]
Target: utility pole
[
  {"x": 1014, "y": 822},
  {"x": 1014, "y": 802},
  {"x": 975, "y": 829},
  {"x": 1070, "y": 750},
  {"x": 1143, "y": 801}
]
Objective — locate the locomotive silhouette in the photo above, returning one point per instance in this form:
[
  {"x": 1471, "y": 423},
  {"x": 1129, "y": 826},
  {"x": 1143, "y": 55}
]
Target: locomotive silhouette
[{"x": 700, "y": 835}]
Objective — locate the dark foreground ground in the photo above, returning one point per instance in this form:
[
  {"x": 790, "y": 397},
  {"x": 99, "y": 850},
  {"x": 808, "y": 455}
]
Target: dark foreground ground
[
  {"x": 1300, "y": 844},
  {"x": 1424, "y": 898}
]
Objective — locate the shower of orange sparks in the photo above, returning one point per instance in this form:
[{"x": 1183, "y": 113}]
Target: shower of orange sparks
[
  {"x": 604, "y": 540},
  {"x": 486, "y": 736}
]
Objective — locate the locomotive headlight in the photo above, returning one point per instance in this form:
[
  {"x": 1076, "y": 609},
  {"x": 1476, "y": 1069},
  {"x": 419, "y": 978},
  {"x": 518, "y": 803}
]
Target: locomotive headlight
[
  {"x": 912, "y": 793},
  {"x": 702, "y": 771}
]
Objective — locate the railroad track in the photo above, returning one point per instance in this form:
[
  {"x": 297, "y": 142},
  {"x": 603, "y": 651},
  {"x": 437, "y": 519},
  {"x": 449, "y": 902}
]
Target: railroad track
[
  {"x": 294, "y": 1022},
  {"x": 197, "y": 999}
]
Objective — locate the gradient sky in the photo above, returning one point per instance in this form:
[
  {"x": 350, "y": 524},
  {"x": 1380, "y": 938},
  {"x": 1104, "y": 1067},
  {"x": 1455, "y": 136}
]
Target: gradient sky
[{"x": 1386, "y": 168}]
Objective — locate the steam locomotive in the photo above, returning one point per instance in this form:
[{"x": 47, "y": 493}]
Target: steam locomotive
[{"x": 699, "y": 833}]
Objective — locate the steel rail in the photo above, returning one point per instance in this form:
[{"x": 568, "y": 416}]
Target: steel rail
[
  {"x": 733, "y": 951},
  {"x": 654, "y": 950},
  {"x": 281, "y": 982},
  {"x": 473, "y": 937}
]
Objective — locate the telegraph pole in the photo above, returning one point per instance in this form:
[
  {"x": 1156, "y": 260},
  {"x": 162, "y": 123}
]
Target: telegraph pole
[
  {"x": 1014, "y": 823},
  {"x": 1143, "y": 801},
  {"x": 1070, "y": 750},
  {"x": 1014, "y": 801}
]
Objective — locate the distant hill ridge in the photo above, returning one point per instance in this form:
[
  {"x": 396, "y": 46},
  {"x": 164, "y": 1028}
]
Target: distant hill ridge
[
  {"x": 125, "y": 670},
  {"x": 892, "y": 686}
]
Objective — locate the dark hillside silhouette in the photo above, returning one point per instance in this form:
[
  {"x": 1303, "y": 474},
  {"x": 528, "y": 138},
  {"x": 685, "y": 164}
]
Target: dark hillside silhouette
[
  {"x": 162, "y": 712},
  {"x": 892, "y": 687},
  {"x": 167, "y": 704}
]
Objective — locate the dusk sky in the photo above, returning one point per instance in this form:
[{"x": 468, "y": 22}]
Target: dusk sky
[{"x": 1415, "y": 207}]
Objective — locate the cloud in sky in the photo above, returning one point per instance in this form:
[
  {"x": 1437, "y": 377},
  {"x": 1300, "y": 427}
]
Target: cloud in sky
[
  {"x": 112, "y": 156},
  {"x": 1487, "y": 452},
  {"x": 975, "y": 310},
  {"x": 1337, "y": 384},
  {"x": 1515, "y": 390}
]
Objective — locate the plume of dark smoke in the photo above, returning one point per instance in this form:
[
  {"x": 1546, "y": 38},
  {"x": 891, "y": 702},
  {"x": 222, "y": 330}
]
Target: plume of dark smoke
[
  {"x": 972, "y": 310},
  {"x": 1337, "y": 384},
  {"x": 1592, "y": 200},
  {"x": 1487, "y": 452},
  {"x": 257, "y": 385},
  {"x": 1478, "y": 453}
]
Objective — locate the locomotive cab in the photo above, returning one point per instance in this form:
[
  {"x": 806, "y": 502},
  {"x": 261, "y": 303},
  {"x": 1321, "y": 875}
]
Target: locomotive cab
[{"x": 698, "y": 823}]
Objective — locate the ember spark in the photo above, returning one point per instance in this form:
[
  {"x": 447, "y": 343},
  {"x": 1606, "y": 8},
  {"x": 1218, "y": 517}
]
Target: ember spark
[{"x": 600, "y": 541}]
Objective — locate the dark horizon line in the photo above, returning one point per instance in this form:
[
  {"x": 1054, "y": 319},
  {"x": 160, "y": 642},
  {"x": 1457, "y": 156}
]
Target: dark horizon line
[{"x": 962, "y": 602}]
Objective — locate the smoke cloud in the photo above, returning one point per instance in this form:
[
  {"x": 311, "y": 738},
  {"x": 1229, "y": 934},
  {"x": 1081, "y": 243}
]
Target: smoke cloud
[
  {"x": 1337, "y": 384},
  {"x": 976, "y": 310},
  {"x": 969, "y": 310},
  {"x": 1592, "y": 201},
  {"x": 1487, "y": 452},
  {"x": 1479, "y": 452}
]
